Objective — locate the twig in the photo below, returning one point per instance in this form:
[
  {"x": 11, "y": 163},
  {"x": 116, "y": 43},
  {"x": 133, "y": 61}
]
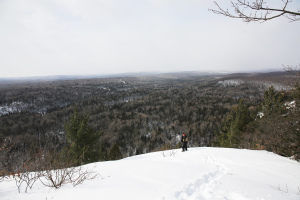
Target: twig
[{"x": 260, "y": 12}]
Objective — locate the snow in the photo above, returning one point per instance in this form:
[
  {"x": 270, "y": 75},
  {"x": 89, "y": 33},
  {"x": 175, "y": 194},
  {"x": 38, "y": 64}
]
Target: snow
[
  {"x": 14, "y": 107},
  {"x": 236, "y": 82},
  {"x": 260, "y": 114},
  {"x": 290, "y": 105},
  {"x": 198, "y": 174},
  {"x": 264, "y": 84}
]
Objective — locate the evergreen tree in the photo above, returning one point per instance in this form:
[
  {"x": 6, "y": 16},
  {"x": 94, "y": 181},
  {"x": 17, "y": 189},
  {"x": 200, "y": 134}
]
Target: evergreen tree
[
  {"x": 296, "y": 95},
  {"x": 273, "y": 102},
  {"x": 82, "y": 139},
  {"x": 292, "y": 141},
  {"x": 234, "y": 125},
  {"x": 115, "y": 153}
]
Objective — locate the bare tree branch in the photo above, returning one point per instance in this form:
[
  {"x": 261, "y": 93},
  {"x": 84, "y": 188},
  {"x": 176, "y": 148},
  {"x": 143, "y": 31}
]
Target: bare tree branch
[
  {"x": 256, "y": 10},
  {"x": 295, "y": 71}
]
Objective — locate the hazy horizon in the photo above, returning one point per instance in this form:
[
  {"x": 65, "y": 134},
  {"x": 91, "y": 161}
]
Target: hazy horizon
[{"x": 145, "y": 73}]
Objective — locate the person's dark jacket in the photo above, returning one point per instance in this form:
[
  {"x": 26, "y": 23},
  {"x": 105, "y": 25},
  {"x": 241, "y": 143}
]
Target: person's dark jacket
[
  {"x": 184, "y": 138},
  {"x": 184, "y": 141}
]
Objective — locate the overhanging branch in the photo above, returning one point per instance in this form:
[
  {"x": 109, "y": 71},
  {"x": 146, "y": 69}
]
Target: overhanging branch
[{"x": 256, "y": 11}]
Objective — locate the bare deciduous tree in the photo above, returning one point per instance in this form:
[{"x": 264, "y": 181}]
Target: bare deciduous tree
[
  {"x": 294, "y": 71},
  {"x": 257, "y": 10}
]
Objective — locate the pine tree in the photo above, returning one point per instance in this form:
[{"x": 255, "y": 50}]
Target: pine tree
[
  {"x": 115, "y": 153},
  {"x": 82, "y": 139},
  {"x": 296, "y": 95},
  {"x": 273, "y": 102},
  {"x": 234, "y": 125}
]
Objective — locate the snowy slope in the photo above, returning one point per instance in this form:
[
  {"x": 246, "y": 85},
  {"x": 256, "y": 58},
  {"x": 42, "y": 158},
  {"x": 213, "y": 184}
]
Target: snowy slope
[{"x": 200, "y": 173}]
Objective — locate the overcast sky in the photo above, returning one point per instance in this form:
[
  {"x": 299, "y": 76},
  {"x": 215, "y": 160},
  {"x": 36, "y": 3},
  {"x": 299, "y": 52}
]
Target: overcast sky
[{"x": 79, "y": 37}]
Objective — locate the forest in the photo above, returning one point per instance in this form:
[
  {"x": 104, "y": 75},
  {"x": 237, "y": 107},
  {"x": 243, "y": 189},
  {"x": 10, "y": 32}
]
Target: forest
[{"x": 125, "y": 116}]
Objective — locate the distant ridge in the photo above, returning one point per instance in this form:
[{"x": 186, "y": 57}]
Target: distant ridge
[
  {"x": 134, "y": 74},
  {"x": 72, "y": 77}
]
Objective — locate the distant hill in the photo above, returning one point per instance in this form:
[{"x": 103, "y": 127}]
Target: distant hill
[{"x": 91, "y": 76}]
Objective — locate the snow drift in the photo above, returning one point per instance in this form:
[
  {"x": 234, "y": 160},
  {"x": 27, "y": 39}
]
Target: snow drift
[{"x": 199, "y": 173}]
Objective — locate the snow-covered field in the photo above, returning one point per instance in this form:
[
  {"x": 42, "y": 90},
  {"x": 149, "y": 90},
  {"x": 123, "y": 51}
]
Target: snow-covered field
[{"x": 198, "y": 174}]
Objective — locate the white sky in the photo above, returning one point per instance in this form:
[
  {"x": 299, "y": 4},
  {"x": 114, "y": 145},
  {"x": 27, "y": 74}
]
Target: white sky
[{"x": 66, "y": 37}]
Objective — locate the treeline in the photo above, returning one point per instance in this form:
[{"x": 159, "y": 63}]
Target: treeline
[{"x": 276, "y": 128}]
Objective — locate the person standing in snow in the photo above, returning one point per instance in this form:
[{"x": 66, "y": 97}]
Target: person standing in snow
[{"x": 184, "y": 141}]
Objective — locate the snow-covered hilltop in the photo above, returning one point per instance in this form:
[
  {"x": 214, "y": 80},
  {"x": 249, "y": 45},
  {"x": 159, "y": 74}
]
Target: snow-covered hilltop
[
  {"x": 200, "y": 173},
  {"x": 260, "y": 84}
]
